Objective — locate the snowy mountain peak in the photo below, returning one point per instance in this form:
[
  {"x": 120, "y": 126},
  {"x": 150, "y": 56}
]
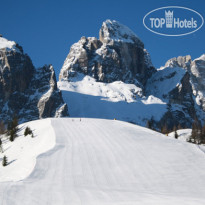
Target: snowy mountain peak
[
  {"x": 180, "y": 61},
  {"x": 9, "y": 45},
  {"x": 113, "y": 31},
  {"x": 202, "y": 57},
  {"x": 118, "y": 55}
]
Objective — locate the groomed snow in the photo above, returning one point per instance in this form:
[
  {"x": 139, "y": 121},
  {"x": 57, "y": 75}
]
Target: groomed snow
[{"x": 109, "y": 162}]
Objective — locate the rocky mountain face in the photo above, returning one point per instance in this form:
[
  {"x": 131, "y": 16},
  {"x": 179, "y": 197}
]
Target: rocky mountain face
[
  {"x": 119, "y": 55},
  {"x": 197, "y": 71},
  {"x": 185, "y": 94},
  {"x": 27, "y": 92}
]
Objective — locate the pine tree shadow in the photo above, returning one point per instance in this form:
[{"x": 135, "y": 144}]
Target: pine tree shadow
[
  {"x": 6, "y": 149},
  {"x": 11, "y": 162}
]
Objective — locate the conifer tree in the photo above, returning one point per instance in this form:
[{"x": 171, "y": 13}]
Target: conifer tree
[
  {"x": 176, "y": 134},
  {"x": 28, "y": 131},
  {"x": 1, "y": 146},
  {"x": 12, "y": 129},
  {"x": 4, "y": 161}
]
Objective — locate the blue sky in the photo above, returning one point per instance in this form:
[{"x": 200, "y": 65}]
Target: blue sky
[{"x": 47, "y": 29}]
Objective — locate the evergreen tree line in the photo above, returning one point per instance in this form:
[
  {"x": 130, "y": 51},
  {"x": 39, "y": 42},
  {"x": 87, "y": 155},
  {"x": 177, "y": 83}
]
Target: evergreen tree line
[
  {"x": 198, "y": 133},
  {"x": 164, "y": 128}
]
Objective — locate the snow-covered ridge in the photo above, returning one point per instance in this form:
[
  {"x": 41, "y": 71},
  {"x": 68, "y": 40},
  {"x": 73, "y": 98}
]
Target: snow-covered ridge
[
  {"x": 6, "y": 44},
  {"x": 202, "y": 57},
  {"x": 165, "y": 80},
  {"x": 114, "y": 92},
  {"x": 88, "y": 98}
]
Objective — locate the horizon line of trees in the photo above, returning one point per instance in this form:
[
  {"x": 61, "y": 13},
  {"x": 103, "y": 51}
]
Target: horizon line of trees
[{"x": 197, "y": 134}]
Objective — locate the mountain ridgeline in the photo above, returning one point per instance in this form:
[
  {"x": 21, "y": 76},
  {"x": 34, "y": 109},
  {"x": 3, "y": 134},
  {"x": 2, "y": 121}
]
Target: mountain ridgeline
[
  {"x": 176, "y": 90},
  {"x": 119, "y": 55},
  {"x": 27, "y": 92}
]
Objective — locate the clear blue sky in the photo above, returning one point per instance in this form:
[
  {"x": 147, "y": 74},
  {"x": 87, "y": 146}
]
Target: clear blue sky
[{"x": 47, "y": 29}]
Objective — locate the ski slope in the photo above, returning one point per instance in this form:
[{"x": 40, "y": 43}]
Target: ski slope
[{"x": 109, "y": 162}]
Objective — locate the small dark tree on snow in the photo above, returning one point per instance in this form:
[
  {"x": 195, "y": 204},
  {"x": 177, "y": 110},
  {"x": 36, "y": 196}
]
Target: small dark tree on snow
[
  {"x": 4, "y": 161},
  {"x": 12, "y": 129},
  {"x": 13, "y": 135},
  {"x": 1, "y": 146},
  {"x": 176, "y": 134},
  {"x": 28, "y": 131}
]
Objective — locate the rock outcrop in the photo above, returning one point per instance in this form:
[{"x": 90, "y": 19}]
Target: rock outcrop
[
  {"x": 198, "y": 80},
  {"x": 26, "y": 92},
  {"x": 118, "y": 54}
]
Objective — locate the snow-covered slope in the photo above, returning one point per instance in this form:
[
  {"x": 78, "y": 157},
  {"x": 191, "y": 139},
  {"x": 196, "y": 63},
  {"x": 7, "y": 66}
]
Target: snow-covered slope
[
  {"x": 87, "y": 98},
  {"x": 183, "y": 134},
  {"x": 23, "y": 151},
  {"x": 164, "y": 81},
  {"x": 110, "y": 162}
]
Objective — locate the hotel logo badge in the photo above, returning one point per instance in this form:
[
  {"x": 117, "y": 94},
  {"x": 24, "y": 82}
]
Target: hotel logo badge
[{"x": 173, "y": 21}]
